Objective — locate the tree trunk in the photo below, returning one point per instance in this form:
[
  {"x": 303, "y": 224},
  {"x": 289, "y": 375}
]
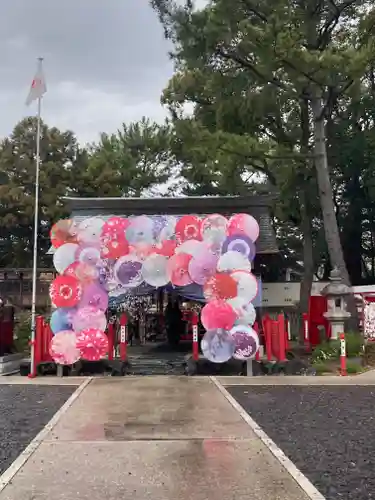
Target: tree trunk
[
  {"x": 331, "y": 229},
  {"x": 308, "y": 263}
]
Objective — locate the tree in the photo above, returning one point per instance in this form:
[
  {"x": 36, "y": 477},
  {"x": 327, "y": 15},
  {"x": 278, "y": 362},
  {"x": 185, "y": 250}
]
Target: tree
[
  {"x": 309, "y": 53},
  {"x": 131, "y": 162},
  {"x": 58, "y": 152}
]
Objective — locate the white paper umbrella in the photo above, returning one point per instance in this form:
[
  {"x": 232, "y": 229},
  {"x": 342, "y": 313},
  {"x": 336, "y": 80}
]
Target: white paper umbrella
[
  {"x": 214, "y": 229},
  {"x": 64, "y": 256},
  {"x": 233, "y": 261},
  {"x": 89, "y": 230},
  {"x": 246, "y": 312},
  {"x": 218, "y": 346},
  {"x": 247, "y": 285},
  {"x": 154, "y": 270}
]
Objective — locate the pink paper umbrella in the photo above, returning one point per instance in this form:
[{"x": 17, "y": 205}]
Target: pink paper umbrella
[
  {"x": 89, "y": 231},
  {"x": 94, "y": 296},
  {"x": 202, "y": 267},
  {"x": 178, "y": 269},
  {"x": 247, "y": 285},
  {"x": 243, "y": 224},
  {"x": 63, "y": 348},
  {"x": 65, "y": 291},
  {"x": 218, "y": 346},
  {"x": 89, "y": 317},
  {"x": 88, "y": 254},
  {"x": 92, "y": 344},
  {"x": 246, "y": 340},
  {"x": 218, "y": 314},
  {"x": 188, "y": 228}
]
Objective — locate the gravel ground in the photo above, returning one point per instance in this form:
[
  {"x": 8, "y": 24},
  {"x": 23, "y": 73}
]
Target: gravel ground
[
  {"x": 24, "y": 411},
  {"x": 328, "y": 432}
]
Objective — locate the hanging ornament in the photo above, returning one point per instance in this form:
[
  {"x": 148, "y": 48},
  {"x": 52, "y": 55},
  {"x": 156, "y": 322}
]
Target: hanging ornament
[
  {"x": 64, "y": 256},
  {"x": 243, "y": 224},
  {"x": 214, "y": 229},
  {"x": 233, "y": 261},
  {"x": 89, "y": 231},
  {"x": 65, "y": 291},
  {"x": 247, "y": 285},
  {"x": 220, "y": 286},
  {"x": 241, "y": 244},
  {"x": 64, "y": 231},
  {"x": 63, "y": 348},
  {"x": 62, "y": 320},
  {"x": 218, "y": 314},
  {"x": 94, "y": 296},
  {"x": 178, "y": 269},
  {"x": 89, "y": 317},
  {"x": 246, "y": 340},
  {"x": 188, "y": 228},
  {"x": 218, "y": 346},
  {"x": 154, "y": 270},
  {"x": 92, "y": 344},
  {"x": 128, "y": 271},
  {"x": 202, "y": 267},
  {"x": 140, "y": 230}
]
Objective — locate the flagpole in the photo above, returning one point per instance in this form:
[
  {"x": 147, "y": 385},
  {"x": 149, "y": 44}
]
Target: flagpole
[{"x": 36, "y": 226}]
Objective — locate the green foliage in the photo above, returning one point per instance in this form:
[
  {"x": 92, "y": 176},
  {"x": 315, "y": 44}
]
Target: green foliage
[
  {"x": 22, "y": 332},
  {"x": 353, "y": 368},
  {"x": 326, "y": 351},
  {"x": 354, "y": 344}
]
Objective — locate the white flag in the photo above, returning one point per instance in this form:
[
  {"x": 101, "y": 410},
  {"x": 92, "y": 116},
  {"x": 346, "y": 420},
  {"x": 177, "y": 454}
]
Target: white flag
[{"x": 38, "y": 86}]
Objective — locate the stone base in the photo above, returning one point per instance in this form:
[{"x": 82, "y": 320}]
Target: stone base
[{"x": 10, "y": 363}]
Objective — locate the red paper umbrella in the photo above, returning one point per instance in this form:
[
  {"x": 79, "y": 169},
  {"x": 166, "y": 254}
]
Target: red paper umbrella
[
  {"x": 65, "y": 291},
  {"x": 178, "y": 269},
  {"x": 92, "y": 344},
  {"x": 63, "y": 348},
  {"x": 62, "y": 232},
  {"x": 218, "y": 314},
  {"x": 188, "y": 228},
  {"x": 114, "y": 246},
  {"x": 220, "y": 286},
  {"x": 115, "y": 224},
  {"x": 85, "y": 273},
  {"x": 166, "y": 248}
]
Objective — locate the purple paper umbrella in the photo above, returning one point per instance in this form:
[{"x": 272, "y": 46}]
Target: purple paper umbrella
[
  {"x": 202, "y": 267},
  {"x": 94, "y": 296},
  {"x": 241, "y": 244},
  {"x": 128, "y": 272},
  {"x": 246, "y": 340}
]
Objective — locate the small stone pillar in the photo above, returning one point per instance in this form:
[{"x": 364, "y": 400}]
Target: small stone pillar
[{"x": 336, "y": 291}]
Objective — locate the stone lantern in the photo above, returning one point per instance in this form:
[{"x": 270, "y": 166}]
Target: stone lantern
[{"x": 336, "y": 292}]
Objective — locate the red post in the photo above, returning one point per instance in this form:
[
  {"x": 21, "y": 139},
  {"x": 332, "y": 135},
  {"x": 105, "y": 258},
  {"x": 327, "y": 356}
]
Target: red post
[
  {"x": 256, "y": 328},
  {"x": 194, "y": 322},
  {"x": 305, "y": 319},
  {"x": 282, "y": 337},
  {"x": 267, "y": 336},
  {"x": 342, "y": 355},
  {"x": 123, "y": 336},
  {"x": 111, "y": 340},
  {"x": 36, "y": 345}
]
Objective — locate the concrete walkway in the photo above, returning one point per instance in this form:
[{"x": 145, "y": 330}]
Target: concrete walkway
[{"x": 156, "y": 438}]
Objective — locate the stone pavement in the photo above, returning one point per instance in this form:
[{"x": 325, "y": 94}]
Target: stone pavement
[{"x": 158, "y": 438}]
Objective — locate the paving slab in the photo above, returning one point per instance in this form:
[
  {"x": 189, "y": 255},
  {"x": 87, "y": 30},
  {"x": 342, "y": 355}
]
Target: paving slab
[
  {"x": 362, "y": 379},
  {"x": 158, "y": 438}
]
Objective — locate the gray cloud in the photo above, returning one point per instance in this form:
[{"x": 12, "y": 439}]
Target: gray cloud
[{"x": 105, "y": 62}]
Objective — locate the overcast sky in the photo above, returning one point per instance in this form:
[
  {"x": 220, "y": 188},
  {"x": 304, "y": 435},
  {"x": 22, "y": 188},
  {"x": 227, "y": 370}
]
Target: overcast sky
[{"x": 106, "y": 62}]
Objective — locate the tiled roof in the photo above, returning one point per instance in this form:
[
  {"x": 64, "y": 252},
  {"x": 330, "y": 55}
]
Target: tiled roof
[{"x": 258, "y": 206}]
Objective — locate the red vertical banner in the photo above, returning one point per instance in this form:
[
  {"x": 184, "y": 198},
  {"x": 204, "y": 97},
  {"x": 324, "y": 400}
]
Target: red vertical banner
[
  {"x": 36, "y": 345},
  {"x": 111, "y": 340},
  {"x": 123, "y": 336},
  {"x": 194, "y": 322},
  {"x": 343, "y": 355},
  {"x": 306, "y": 336},
  {"x": 282, "y": 337}
]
